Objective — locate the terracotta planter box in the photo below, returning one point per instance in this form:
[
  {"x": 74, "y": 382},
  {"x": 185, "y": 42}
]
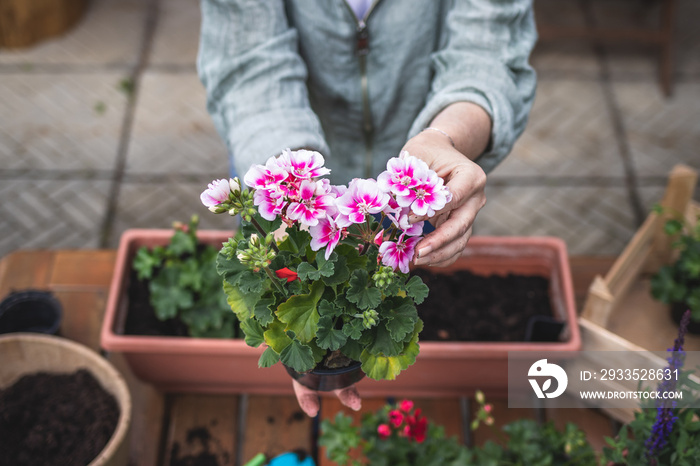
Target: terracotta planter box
[{"x": 443, "y": 368}]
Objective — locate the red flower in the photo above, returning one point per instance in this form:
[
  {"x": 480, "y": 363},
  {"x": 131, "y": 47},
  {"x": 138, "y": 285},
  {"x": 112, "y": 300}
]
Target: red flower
[
  {"x": 290, "y": 275},
  {"x": 417, "y": 427},
  {"x": 406, "y": 406},
  {"x": 384, "y": 431},
  {"x": 395, "y": 418}
]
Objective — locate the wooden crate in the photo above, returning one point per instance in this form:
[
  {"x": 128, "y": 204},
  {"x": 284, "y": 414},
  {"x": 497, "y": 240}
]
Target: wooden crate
[{"x": 620, "y": 314}]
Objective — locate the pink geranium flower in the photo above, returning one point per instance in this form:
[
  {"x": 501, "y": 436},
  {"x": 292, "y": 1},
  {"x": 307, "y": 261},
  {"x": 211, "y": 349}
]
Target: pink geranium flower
[
  {"x": 402, "y": 222},
  {"x": 268, "y": 206},
  {"x": 362, "y": 197},
  {"x": 402, "y": 174},
  {"x": 303, "y": 164},
  {"x": 265, "y": 176},
  {"x": 426, "y": 198},
  {"x": 216, "y": 193},
  {"x": 326, "y": 233},
  {"x": 406, "y": 406},
  {"x": 314, "y": 199},
  {"x": 400, "y": 253},
  {"x": 396, "y": 418}
]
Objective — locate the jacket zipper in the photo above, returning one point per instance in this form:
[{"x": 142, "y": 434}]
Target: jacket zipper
[{"x": 362, "y": 49}]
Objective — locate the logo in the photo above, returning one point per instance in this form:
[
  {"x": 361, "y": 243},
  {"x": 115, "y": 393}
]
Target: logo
[{"x": 542, "y": 368}]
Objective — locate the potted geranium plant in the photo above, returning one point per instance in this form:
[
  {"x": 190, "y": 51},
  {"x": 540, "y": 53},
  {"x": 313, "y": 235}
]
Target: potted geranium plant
[
  {"x": 678, "y": 283},
  {"x": 331, "y": 293}
]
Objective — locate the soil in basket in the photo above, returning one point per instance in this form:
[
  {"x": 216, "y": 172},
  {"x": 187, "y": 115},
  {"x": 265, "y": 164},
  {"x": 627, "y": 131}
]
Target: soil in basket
[
  {"x": 463, "y": 306},
  {"x": 55, "y": 419}
]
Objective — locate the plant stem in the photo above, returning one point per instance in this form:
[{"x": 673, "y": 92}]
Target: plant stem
[
  {"x": 262, "y": 232},
  {"x": 273, "y": 279}
]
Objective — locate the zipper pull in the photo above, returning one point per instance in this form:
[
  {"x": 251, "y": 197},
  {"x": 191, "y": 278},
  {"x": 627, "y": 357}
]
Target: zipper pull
[{"x": 362, "y": 37}]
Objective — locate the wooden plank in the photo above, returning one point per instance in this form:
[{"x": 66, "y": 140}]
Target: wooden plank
[
  {"x": 148, "y": 407},
  {"x": 22, "y": 270},
  {"x": 445, "y": 412},
  {"x": 502, "y": 415},
  {"x": 584, "y": 269},
  {"x": 275, "y": 425},
  {"x": 202, "y": 430},
  {"x": 82, "y": 269},
  {"x": 82, "y": 316}
]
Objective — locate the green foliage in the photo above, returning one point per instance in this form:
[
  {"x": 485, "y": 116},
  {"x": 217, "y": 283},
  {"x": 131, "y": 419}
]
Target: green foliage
[
  {"x": 679, "y": 282},
  {"x": 347, "y": 444},
  {"x": 304, "y": 306},
  {"x": 529, "y": 443},
  {"x": 183, "y": 284},
  {"x": 683, "y": 443}
]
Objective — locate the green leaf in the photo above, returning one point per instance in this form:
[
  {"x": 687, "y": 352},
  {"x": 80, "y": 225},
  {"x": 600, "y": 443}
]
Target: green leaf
[
  {"x": 341, "y": 272},
  {"x": 191, "y": 275},
  {"x": 251, "y": 282},
  {"x": 380, "y": 367},
  {"x": 300, "y": 314},
  {"x": 329, "y": 337},
  {"x": 308, "y": 272},
  {"x": 360, "y": 291},
  {"x": 242, "y": 304},
  {"x": 145, "y": 262},
  {"x": 229, "y": 268},
  {"x": 401, "y": 317},
  {"x": 276, "y": 337},
  {"x": 353, "y": 328},
  {"x": 326, "y": 308},
  {"x": 296, "y": 240},
  {"x": 166, "y": 297},
  {"x": 269, "y": 358},
  {"x": 253, "y": 332},
  {"x": 298, "y": 356},
  {"x": 382, "y": 342},
  {"x": 673, "y": 227},
  {"x": 263, "y": 311},
  {"x": 183, "y": 243},
  {"x": 416, "y": 289}
]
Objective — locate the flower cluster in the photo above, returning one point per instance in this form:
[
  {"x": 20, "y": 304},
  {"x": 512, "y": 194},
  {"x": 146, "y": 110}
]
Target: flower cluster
[
  {"x": 318, "y": 271},
  {"x": 404, "y": 422},
  {"x": 290, "y": 187},
  {"x": 666, "y": 415}
]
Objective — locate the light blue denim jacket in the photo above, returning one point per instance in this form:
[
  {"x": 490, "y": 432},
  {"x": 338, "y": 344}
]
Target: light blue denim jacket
[{"x": 307, "y": 73}]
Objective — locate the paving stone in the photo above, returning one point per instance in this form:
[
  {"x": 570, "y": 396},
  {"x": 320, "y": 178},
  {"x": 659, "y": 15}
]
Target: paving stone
[
  {"x": 109, "y": 33},
  {"x": 173, "y": 132},
  {"x": 177, "y": 34},
  {"x": 159, "y": 204},
  {"x": 570, "y": 133},
  {"x": 661, "y": 132},
  {"x": 591, "y": 220},
  {"x": 69, "y": 122},
  {"x": 51, "y": 214}
]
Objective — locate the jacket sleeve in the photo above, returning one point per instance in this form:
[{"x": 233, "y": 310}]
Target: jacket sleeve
[
  {"x": 255, "y": 80},
  {"x": 483, "y": 58}
]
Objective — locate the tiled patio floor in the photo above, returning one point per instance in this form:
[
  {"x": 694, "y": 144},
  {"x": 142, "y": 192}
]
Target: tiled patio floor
[{"x": 105, "y": 129}]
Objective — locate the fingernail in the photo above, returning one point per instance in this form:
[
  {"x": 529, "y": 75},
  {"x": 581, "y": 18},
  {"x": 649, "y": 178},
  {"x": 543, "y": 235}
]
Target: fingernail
[
  {"x": 413, "y": 219},
  {"x": 424, "y": 251}
]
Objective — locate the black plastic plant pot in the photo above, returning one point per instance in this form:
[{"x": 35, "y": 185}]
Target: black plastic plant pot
[
  {"x": 677, "y": 311},
  {"x": 326, "y": 380},
  {"x": 30, "y": 311}
]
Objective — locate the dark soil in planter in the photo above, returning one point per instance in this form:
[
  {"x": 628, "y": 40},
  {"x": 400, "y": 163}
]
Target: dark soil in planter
[
  {"x": 55, "y": 419},
  {"x": 463, "y": 306},
  {"x": 141, "y": 318}
]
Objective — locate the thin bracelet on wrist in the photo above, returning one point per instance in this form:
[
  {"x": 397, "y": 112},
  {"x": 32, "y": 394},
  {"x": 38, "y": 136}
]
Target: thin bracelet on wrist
[{"x": 441, "y": 132}]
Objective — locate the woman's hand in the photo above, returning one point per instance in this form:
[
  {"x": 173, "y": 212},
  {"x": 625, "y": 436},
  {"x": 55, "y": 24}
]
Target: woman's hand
[
  {"x": 462, "y": 134},
  {"x": 310, "y": 403}
]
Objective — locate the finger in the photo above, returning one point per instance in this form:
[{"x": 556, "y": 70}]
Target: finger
[
  {"x": 349, "y": 397},
  {"x": 308, "y": 399},
  {"x": 447, "y": 238},
  {"x": 453, "y": 254}
]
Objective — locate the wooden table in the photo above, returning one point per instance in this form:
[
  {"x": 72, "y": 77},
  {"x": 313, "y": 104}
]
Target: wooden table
[{"x": 174, "y": 429}]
